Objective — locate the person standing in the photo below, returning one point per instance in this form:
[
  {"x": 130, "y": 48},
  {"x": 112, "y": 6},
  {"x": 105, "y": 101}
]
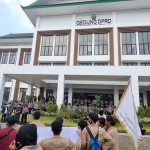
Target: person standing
[
  {"x": 10, "y": 109},
  {"x": 4, "y": 113},
  {"x": 18, "y": 112},
  {"x": 15, "y": 105},
  {"x": 25, "y": 111},
  {"x": 30, "y": 107},
  {"x": 112, "y": 131}
]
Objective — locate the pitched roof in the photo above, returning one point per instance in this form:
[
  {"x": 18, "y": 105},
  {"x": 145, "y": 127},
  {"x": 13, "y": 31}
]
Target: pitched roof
[
  {"x": 18, "y": 35},
  {"x": 52, "y": 2}
]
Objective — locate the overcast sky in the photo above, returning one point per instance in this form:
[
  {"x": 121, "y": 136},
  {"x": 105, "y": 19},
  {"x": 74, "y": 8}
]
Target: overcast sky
[{"x": 12, "y": 17}]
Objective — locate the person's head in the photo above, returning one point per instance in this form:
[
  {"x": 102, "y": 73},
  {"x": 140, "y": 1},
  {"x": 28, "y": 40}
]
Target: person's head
[
  {"x": 11, "y": 120},
  {"x": 56, "y": 127},
  {"x": 60, "y": 119},
  {"x": 101, "y": 112},
  {"x": 92, "y": 118},
  {"x": 27, "y": 135},
  {"x": 36, "y": 115},
  {"x": 110, "y": 121},
  {"x": 82, "y": 124},
  {"x": 101, "y": 122}
]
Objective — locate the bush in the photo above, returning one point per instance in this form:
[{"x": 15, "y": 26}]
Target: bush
[
  {"x": 42, "y": 113},
  {"x": 79, "y": 113},
  {"x": 95, "y": 104},
  {"x": 147, "y": 112},
  {"x": 141, "y": 112},
  {"x": 40, "y": 104},
  {"x": 145, "y": 120},
  {"x": 52, "y": 108}
]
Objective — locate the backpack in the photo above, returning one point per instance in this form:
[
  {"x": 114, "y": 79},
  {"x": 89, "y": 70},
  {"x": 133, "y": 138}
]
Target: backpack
[{"x": 94, "y": 142}]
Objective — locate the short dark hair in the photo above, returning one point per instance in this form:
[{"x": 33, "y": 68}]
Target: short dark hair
[
  {"x": 101, "y": 112},
  {"x": 56, "y": 127},
  {"x": 37, "y": 115},
  {"x": 93, "y": 116},
  {"x": 11, "y": 120},
  {"x": 102, "y": 121},
  {"x": 111, "y": 120},
  {"x": 82, "y": 124},
  {"x": 60, "y": 119}
]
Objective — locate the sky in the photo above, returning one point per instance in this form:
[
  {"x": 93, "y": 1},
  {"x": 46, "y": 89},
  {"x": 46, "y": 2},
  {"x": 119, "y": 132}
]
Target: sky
[{"x": 12, "y": 17}]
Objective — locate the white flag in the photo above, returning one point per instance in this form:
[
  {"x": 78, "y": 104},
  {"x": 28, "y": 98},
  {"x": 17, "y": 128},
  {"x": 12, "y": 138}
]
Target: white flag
[{"x": 126, "y": 114}]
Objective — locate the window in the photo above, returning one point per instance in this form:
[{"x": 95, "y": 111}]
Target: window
[
  {"x": 144, "y": 64},
  {"x": 22, "y": 94},
  {"x": 85, "y": 44},
  {"x": 101, "y": 44},
  {"x": 130, "y": 64},
  {"x": 6, "y": 94},
  {"x": 12, "y": 57},
  {"x": 128, "y": 44},
  {"x": 144, "y": 43},
  {"x": 60, "y": 45},
  {"x": 59, "y": 64},
  {"x": 4, "y": 58},
  {"x": 8, "y": 79},
  {"x": 27, "y": 57},
  {"x": 44, "y": 64},
  {"x": 85, "y": 64},
  {"x": 100, "y": 64},
  {"x": 47, "y": 45}
]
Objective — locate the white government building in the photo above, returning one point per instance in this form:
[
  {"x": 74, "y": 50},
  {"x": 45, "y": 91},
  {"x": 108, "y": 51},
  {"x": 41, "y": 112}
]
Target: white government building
[{"x": 79, "y": 48}]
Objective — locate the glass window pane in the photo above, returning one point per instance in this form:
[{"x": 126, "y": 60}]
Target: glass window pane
[
  {"x": 85, "y": 50},
  {"x": 146, "y": 49},
  {"x": 60, "y": 51},
  {"x": 60, "y": 40},
  {"x": 95, "y": 64},
  {"x": 90, "y": 39},
  {"x": 47, "y": 41},
  {"x": 42, "y": 51},
  {"x": 101, "y": 50},
  {"x": 133, "y": 38},
  {"x": 56, "y": 51},
  {"x": 46, "y": 51},
  {"x": 51, "y": 40},
  {"x": 96, "y": 50},
  {"x": 43, "y": 40},
  {"x": 133, "y": 49},
  {"x": 145, "y": 37},
  {"x": 81, "y": 50},
  {"x": 50, "y": 51},
  {"x": 129, "y": 50},
  {"x": 65, "y": 40},
  {"x": 149, "y": 37},
  {"x": 140, "y": 37},
  {"x": 124, "y": 38},
  {"x": 105, "y": 38},
  {"x": 128, "y": 38},
  {"x": 89, "y": 50},
  {"x": 134, "y": 64},
  {"x": 64, "y": 50},
  {"x": 124, "y": 50},
  {"x": 147, "y": 64},
  {"x": 100, "y": 38},
  {"x": 85, "y": 40},
  {"x": 105, "y": 50},
  {"x": 142, "y": 64},
  {"x": 96, "y": 39},
  {"x": 130, "y": 64},
  {"x": 125, "y": 64},
  {"x": 57, "y": 41},
  {"x": 141, "y": 49},
  {"x": 81, "y": 40}
]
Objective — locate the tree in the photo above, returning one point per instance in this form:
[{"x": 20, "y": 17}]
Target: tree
[
  {"x": 147, "y": 112},
  {"x": 95, "y": 105},
  {"x": 29, "y": 98},
  {"x": 141, "y": 112}
]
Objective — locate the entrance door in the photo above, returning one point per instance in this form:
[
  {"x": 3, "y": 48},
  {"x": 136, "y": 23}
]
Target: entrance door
[{"x": 49, "y": 93}]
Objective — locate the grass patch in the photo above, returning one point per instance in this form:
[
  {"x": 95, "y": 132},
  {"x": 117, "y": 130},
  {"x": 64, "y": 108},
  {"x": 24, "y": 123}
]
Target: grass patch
[{"x": 49, "y": 120}]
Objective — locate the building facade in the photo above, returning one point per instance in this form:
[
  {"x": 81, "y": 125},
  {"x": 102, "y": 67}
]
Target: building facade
[{"x": 79, "y": 49}]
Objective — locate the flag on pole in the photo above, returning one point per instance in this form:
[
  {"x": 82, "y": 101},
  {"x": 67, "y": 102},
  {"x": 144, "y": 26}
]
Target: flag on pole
[{"x": 126, "y": 114}]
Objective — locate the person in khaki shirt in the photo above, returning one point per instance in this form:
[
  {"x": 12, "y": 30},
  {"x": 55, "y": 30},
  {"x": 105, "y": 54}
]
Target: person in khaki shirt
[
  {"x": 57, "y": 142},
  {"x": 104, "y": 138},
  {"x": 36, "y": 117},
  {"x": 112, "y": 132}
]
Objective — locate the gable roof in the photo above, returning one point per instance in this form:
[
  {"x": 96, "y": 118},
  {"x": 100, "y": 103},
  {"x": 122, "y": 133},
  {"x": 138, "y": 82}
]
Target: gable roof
[{"x": 18, "y": 35}]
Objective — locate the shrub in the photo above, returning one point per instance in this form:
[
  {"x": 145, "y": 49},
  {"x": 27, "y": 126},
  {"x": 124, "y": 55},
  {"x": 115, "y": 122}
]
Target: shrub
[
  {"x": 62, "y": 107},
  {"x": 42, "y": 113},
  {"x": 79, "y": 113},
  {"x": 145, "y": 120},
  {"x": 141, "y": 112},
  {"x": 95, "y": 105},
  {"x": 147, "y": 112},
  {"x": 50, "y": 107},
  {"x": 40, "y": 103}
]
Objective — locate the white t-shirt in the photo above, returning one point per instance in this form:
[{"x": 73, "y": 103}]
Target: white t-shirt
[{"x": 5, "y": 110}]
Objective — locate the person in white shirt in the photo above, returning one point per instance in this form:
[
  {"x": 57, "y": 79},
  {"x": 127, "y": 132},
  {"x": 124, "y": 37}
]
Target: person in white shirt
[{"x": 101, "y": 114}]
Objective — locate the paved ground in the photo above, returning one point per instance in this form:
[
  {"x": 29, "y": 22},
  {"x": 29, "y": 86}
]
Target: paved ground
[{"x": 126, "y": 143}]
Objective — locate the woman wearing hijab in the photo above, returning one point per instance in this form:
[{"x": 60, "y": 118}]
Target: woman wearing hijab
[{"x": 26, "y": 139}]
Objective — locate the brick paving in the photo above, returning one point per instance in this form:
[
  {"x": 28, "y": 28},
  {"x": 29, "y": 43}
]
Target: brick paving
[{"x": 126, "y": 143}]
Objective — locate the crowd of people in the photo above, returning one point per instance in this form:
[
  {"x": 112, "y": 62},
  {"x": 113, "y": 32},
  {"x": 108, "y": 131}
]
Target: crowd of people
[{"x": 98, "y": 126}]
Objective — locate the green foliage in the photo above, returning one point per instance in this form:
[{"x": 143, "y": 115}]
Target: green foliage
[
  {"x": 95, "y": 104},
  {"x": 40, "y": 103},
  {"x": 145, "y": 120},
  {"x": 29, "y": 98},
  {"x": 79, "y": 114},
  {"x": 147, "y": 112},
  {"x": 141, "y": 112},
  {"x": 52, "y": 108},
  {"x": 62, "y": 107},
  {"x": 42, "y": 113}
]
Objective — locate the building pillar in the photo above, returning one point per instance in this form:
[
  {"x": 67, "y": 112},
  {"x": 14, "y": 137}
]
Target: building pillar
[
  {"x": 70, "y": 94},
  {"x": 135, "y": 89},
  {"x": 60, "y": 90},
  {"x": 18, "y": 56},
  {"x": 37, "y": 92},
  {"x": 16, "y": 90},
  {"x": 12, "y": 89},
  {"x": 145, "y": 98},
  {"x": 2, "y": 87},
  {"x": 29, "y": 90},
  {"x": 116, "y": 95}
]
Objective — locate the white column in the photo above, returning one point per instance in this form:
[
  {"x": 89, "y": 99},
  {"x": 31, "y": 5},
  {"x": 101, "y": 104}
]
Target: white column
[
  {"x": 18, "y": 56},
  {"x": 29, "y": 90},
  {"x": 116, "y": 95},
  {"x": 115, "y": 36},
  {"x": 2, "y": 87},
  {"x": 145, "y": 98},
  {"x": 37, "y": 92},
  {"x": 70, "y": 94},
  {"x": 135, "y": 89},
  {"x": 60, "y": 89},
  {"x": 12, "y": 89}
]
